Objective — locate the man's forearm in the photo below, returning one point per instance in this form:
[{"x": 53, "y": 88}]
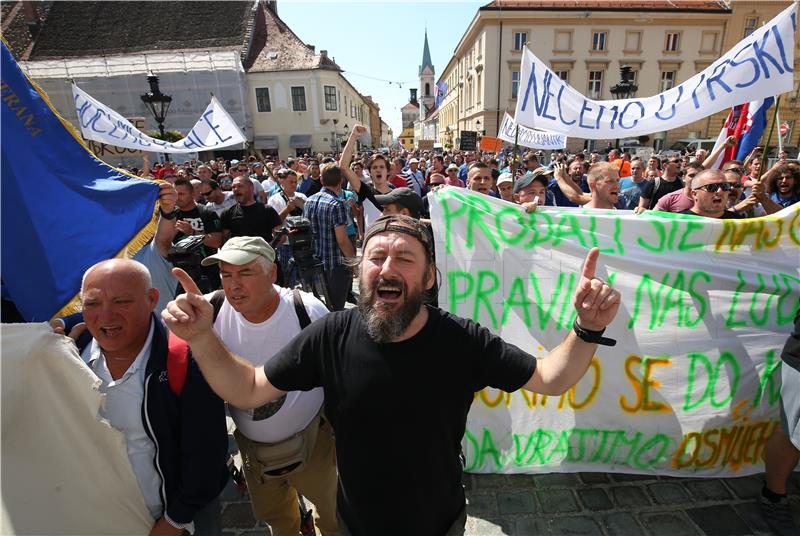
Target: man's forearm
[
  {"x": 165, "y": 232},
  {"x": 232, "y": 378},
  {"x": 563, "y": 367},
  {"x": 347, "y": 247},
  {"x": 572, "y": 190}
]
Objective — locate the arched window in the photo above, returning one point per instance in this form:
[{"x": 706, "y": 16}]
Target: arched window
[{"x": 427, "y": 89}]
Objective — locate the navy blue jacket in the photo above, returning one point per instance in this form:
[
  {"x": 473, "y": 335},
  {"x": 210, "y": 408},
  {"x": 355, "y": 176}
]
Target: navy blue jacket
[{"x": 189, "y": 431}]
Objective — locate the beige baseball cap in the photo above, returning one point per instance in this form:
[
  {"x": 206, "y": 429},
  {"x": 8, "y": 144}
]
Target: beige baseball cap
[{"x": 240, "y": 250}]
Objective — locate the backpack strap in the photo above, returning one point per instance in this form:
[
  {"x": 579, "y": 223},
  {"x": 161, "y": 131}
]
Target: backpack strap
[
  {"x": 300, "y": 309},
  {"x": 217, "y": 299},
  {"x": 177, "y": 363}
]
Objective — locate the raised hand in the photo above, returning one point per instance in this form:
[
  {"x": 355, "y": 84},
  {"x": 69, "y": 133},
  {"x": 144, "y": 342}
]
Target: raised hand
[
  {"x": 167, "y": 196},
  {"x": 595, "y": 301},
  {"x": 358, "y": 131},
  {"x": 189, "y": 315}
]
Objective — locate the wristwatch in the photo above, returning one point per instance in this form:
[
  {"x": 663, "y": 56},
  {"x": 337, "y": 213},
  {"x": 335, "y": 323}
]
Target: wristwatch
[
  {"x": 168, "y": 215},
  {"x": 594, "y": 337}
]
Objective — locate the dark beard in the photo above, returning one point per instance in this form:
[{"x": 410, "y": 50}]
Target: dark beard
[{"x": 384, "y": 322}]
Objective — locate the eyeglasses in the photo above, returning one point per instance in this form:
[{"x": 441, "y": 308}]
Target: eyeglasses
[
  {"x": 714, "y": 186},
  {"x": 735, "y": 185},
  {"x": 206, "y": 193},
  {"x": 735, "y": 170}
]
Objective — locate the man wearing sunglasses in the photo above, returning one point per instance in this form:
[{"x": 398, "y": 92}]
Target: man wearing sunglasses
[{"x": 710, "y": 192}]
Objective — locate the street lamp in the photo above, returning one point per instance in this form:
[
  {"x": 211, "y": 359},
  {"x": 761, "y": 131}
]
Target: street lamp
[
  {"x": 158, "y": 104},
  {"x": 625, "y": 88},
  {"x": 346, "y": 134}
]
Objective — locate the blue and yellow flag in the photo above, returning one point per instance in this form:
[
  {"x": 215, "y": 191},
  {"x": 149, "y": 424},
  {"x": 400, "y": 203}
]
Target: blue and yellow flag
[{"x": 62, "y": 209}]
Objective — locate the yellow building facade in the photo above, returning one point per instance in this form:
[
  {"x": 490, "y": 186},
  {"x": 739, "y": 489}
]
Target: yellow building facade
[{"x": 665, "y": 43}]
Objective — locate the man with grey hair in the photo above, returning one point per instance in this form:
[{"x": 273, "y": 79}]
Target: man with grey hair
[
  {"x": 368, "y": 358},
  {"x": 177, "y": 445},
  {"x": 286, "y": 445}
]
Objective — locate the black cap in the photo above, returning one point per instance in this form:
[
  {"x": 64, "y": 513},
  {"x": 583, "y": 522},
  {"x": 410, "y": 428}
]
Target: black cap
[
  {"x": 405, "y": 197},
  {"x": 541, "y": 174}
]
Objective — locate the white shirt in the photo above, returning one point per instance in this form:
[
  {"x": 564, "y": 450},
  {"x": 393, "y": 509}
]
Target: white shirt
[
  {"x": 269, "y": 184},
  {"x": 277, "y": 201},
  {"x": 229, "y": 201},
  {"x": 122, "y": 408},
  {"x": 258, "y": 343}
]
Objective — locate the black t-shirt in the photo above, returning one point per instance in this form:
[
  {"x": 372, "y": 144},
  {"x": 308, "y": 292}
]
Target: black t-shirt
[
  {"x": 399, "y": 411},
  {"x": 313, "y": 188},
  {"x": 664, "y": 187},
  {"x": 369, "y": 192},
  {"x": 257, "y": 219},
  {"x": 203, "y": 220},
  {"x": 727, "y": 215}
]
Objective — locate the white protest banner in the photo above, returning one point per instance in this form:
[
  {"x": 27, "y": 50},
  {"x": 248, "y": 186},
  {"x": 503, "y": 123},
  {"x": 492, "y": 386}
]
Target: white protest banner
[
  {"x": 214, "y": 130},
  {"x": 53, "y": 434},
  {"x": 692, "y": 386},
  {"x": 533, "y": 139},
  {"x": 759, "y": 66}
]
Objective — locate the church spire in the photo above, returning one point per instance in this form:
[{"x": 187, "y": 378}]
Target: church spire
[{"x": 426, "y": 56}]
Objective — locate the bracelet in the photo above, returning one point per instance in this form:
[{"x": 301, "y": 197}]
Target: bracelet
[
  {"x": 594, "y": 337},
  {"x": 168, "y": 215}
]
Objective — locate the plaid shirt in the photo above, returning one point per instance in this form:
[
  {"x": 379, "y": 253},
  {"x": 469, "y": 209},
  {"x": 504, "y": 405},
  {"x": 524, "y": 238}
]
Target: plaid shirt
[{"x": 325, "y": 211}]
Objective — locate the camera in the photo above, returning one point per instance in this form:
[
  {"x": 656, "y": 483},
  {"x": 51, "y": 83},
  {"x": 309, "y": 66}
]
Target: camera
[{"x": 187, "y": 254}]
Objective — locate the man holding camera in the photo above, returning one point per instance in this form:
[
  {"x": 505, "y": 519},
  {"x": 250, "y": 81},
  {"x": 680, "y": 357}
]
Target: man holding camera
[
  {"x": 287, "y": 201},
  {"x": 193, "y": 220}
]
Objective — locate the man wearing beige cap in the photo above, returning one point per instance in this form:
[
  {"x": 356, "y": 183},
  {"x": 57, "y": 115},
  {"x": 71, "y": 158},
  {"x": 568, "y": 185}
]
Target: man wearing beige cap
[{"x": 286, "y": 445}]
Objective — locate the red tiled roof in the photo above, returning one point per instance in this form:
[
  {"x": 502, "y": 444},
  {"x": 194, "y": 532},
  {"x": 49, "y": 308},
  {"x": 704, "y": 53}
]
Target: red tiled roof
[
  {"x": 611, "y": 5},
  {"x": 284, "y": 51},
  {"x": 81, "y": 29}
]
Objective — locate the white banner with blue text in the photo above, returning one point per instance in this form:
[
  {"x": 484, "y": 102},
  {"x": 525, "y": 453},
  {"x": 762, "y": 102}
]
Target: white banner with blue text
[
  {"x": 759, "y": 66},
  {"x": 215, "y": 129}
]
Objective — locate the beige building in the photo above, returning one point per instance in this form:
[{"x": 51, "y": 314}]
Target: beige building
[
  {"x": 299, "y": 100},
  {"x": 664, "y": 41}
]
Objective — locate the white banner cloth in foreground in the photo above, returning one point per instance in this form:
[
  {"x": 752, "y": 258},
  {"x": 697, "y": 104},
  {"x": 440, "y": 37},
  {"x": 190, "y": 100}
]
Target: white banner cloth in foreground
[
  {"x": 759, "y": 66},
  {"x": 692, "y": 386},
  {"x": 214, "y": 130},
  {"x": 533, "y": 139},
  {"x": 65, "y": 471}
]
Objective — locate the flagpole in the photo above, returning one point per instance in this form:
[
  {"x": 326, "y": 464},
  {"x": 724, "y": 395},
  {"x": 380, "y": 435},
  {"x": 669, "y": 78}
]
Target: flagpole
[
  {"x": 515, "y": 152},
  {"x": 769, "y": 138},
  {"x": 780, "y": 136}
]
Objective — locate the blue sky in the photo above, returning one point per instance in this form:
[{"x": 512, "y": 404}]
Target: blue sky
[{"x": 381, "y": 40}]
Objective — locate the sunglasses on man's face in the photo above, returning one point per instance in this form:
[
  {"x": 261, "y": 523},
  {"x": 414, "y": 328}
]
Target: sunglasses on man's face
[
  {"x": 714, "y": 186},
  {"x": 207, "y": 192},
  {"x": 735, "y": 170}
]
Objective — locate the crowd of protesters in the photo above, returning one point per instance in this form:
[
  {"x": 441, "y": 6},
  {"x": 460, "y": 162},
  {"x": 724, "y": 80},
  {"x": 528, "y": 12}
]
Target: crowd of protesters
[{"x": 232, "y": 216}]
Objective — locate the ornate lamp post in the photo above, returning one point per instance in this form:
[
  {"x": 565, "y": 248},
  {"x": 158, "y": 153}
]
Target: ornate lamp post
[
  {"x": 625, "y": 88},
  {"x": 158, "y": 104}
]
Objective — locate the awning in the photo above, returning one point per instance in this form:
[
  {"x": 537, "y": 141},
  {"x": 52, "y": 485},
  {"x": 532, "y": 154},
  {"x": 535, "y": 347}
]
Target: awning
[
  {"x": 269, "y": 143},
  {"x": 300, "y": 141}
]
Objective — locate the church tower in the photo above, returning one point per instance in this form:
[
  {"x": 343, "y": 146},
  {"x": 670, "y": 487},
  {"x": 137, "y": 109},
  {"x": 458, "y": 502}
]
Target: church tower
[{"x": 426, "y": 81}]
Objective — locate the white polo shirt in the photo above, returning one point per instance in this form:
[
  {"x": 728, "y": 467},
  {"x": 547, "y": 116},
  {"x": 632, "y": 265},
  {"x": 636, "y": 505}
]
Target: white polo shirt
[{"x": 123, "y": 409}]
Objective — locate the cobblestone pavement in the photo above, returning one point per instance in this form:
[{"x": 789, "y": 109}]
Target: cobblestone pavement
[{"x": 585, "y": 504}]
